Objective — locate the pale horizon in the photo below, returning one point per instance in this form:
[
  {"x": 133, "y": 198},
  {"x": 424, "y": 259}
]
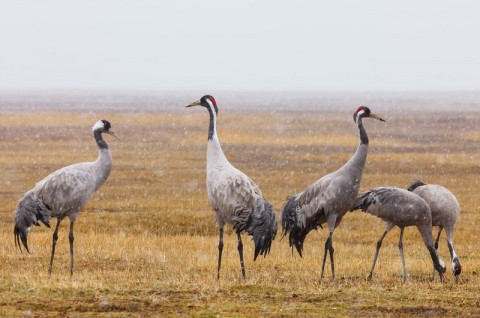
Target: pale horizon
[{"x": 272, "y": 46}]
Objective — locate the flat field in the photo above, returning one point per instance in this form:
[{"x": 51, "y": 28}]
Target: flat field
[{"x": 146, "y": 244}]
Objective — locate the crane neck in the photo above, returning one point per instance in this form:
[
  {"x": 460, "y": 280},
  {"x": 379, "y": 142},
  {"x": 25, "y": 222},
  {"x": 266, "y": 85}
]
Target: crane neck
[
  {"x": 212, "y": 127},
  {"x": 363, "y": 133},
  {"x": 99, "y": 139},
  {"x": 103, "y": 164},
  {"x": 359, "y": 158},
  {"x": 215, "y": 154}
]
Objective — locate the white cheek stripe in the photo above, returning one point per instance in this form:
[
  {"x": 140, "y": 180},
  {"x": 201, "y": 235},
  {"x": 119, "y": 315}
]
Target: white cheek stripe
[
  {"x": 212, "y": 108},
  {"x": 98, "y": 125},
  {"x": 357, "y": 116}
]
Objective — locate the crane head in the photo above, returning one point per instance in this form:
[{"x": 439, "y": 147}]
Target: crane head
[
  {"x": 364, "y": 111},
  {"x": 104, "y": 126},
  {"x": 456, "y": 267},
  {"x": 206, "y": 101}
]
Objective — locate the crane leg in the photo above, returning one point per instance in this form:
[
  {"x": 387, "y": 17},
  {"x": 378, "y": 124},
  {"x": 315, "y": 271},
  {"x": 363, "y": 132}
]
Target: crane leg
[
  {"x": 438, "y": 237},
  {"x": 377, "y": 250},
  {"x": 400, "y": 247},
  {"x": 240, "y": 252},
  {"x": 54, "y": 243},
  {"x": 70, "y": 239},
  {"x": 220, "y": 249},
  {"x": 436, "y": 249},
  {"x": 329, "y": 247}
]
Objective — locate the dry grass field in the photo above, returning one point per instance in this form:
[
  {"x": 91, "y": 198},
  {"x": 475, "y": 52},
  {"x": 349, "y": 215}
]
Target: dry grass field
[{"x": 146, "y": 244}]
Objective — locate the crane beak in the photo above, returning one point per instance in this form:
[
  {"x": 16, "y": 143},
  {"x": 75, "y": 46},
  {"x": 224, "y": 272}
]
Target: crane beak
[
  {"x": 111, "y": 132},
  {"x": 196, "y": 103},
  {"x": 372, "y": 115}
]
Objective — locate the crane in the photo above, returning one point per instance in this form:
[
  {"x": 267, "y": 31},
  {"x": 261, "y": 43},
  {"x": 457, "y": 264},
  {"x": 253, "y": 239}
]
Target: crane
[
  {"x": 63, "y": 194},
  {"x": 445, "y": 211},
  {"x": 399, "y": 207},
  {"x": 234, "y": 197},
  {"x": 329, "y": 198}
]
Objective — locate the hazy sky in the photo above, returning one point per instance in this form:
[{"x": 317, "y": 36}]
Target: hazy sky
[{"x": 240, "y": 45}]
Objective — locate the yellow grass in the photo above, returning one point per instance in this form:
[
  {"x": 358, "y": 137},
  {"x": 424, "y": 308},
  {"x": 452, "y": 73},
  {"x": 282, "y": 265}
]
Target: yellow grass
[{"x": 146, "y": 244}]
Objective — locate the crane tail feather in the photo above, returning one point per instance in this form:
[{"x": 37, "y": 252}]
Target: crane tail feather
[
  {"x": 30, "y": 211},
  {"x": 415, "y": 184},
  {"x": 261, "y": 224},
  {"x": 263, "y": 228},
  {"x": 21, "y": 238},
  {"x": 290, "y": 225}
]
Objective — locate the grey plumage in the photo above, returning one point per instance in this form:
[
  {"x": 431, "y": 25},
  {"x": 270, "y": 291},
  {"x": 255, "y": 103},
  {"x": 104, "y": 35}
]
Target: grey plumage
[
  {"x": 398, "y": 207},
  {"x": 234, "y": 197},
  {"x": 328, "y": 199},
  {"x": 445, "y": 212},
  {"x": 63, "y": 193}
]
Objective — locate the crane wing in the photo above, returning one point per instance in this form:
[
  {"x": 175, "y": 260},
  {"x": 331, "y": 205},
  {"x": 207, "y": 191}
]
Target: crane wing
[
  {"x": 232, "y": 194},
  {"x": 395, "y": 206},
  {"x": 243, "y": 189},
  {"x": 323, "y": 195},
  {"x": 67, "y": 189},
  {"x": 232, "y": 189}
]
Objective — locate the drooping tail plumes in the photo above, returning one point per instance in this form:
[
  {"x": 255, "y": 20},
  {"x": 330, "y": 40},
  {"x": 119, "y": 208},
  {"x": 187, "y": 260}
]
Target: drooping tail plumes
[
  {"x": 261, "y": 224},
  {"x": 30, "y": 210},
  {"x": 415, "y": 184},
  {"x": 291, "y": 225}
]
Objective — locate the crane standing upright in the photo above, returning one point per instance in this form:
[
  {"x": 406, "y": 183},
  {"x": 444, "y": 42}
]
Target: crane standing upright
[
  {"x": 328, "y": 199},
  {"x": 234, "y": 197},
  {"x": 64, "y": 193},
  {"x": 445, "y": 212},
  {"x": 399, "y": 207}
]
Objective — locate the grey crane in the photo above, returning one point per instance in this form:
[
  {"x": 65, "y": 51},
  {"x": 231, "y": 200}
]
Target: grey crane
[
  {"x": 445, "y": 211},
  {"x": 64, "y": 193},
  {"x": 328, "y": 199},
  {"x": 399, "y": 207},
  {"x": 234, "y": 197}
]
